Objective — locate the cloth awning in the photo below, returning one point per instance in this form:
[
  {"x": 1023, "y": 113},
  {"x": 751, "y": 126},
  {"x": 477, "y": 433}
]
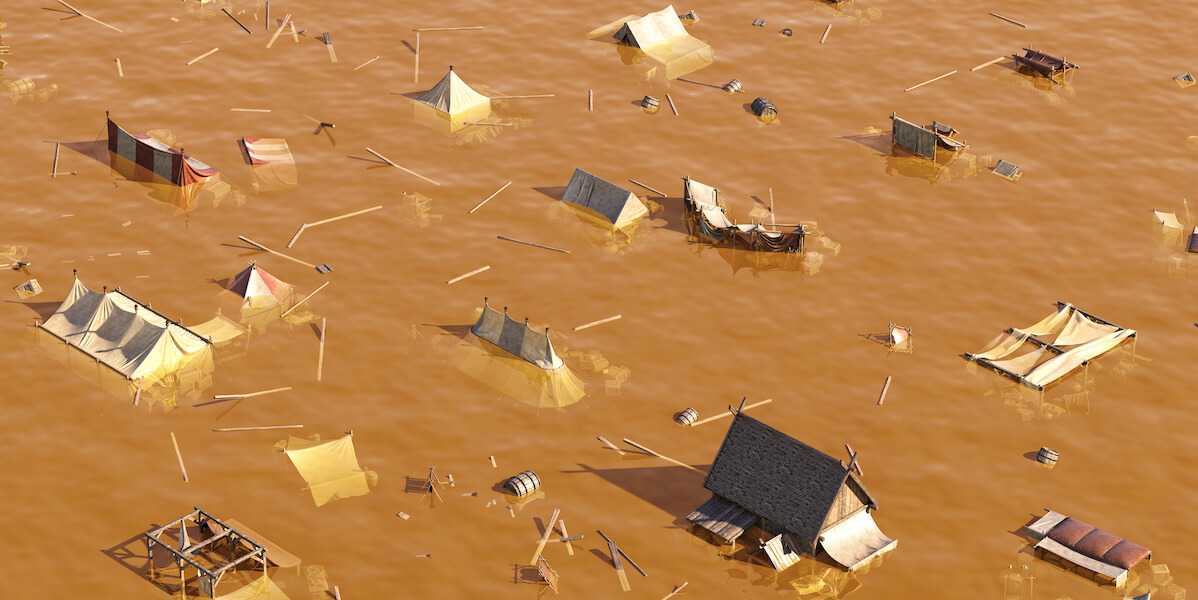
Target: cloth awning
[{"x": 856, "y": 540}]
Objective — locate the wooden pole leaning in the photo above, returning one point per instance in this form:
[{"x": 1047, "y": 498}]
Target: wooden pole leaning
[
  {"x": 470, "y": 274},
  {"x": 728, "y": 414},
  {"x": 825, "y": 36},
  {"x": 330, "y": 220},
  {"x": 250, "y": 395},
  {"x": 286, "y": 20},
  {"x": 305, "y": 299},
  {"x": 320, "y": 357},
  {"x": 662, "y": 456},
  {"x": 179, "y": 455},
  {"x": 388, "y": 161},
  {"x": 279, "y": 254},
  {"x": 545, "y": 537},
  {"x": 934, "y": 79},
  {"x": 488, "y": 198},
  {"x": 89, "y": 17},
  {"x": 654, "y": 190}
]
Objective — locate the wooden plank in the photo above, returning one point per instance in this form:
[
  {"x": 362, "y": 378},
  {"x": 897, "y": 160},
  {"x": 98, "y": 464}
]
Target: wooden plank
[
  {"x": 599, "y": 322},
  {"x": 305, "y": 226},
  {"x": 202, "y": 56},
  {"x": 1009, "y": 20},
  {"x": 366, "y": 63},
  {"x": 279, "y": 254},
  {"x": 934, "y": 79},
  {"x": 263, "y": 427},
  {"x": 662, "y": 456},
  {"x": 987, "y": 63},
  {"x": 251, "y": 394},
  {"x": 825, "y": 36},
  {"x": 320, "y": 358},
  {"x": 544, "y": 537},
  {"x": 885, "y": 387},
  {"x": 611, "y": 445},
  {"x": 671, "y": 101},
  {"x": 179, "y": 455},
  {"x": 89, "y": 17},
  {"x": 305, "y": 299},
  {"x": 274, "y": 37},
  {"x": 470, "y": 274},
  {"x": 388, "y": 161},
  {"x": 676, "y": 590},
  {"x": 728, "y": 414},
  {"x": 488, "y": 198},
  {"x": 655, "y": 191},
  {"x": 532, "y": 244}
]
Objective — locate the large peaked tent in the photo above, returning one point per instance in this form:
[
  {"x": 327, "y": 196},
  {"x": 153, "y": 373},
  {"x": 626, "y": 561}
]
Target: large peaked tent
[
  {"x": 616, "y": 204},
  {"x": 651, "y": 30},
  {"x": 453, "y": 97},
  {"x": 127, "y": 336}
]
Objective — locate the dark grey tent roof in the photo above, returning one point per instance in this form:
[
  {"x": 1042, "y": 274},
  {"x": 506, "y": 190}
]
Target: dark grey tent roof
[
  {"x": 777, "y": 477},
  {"x": 615, "y": 203}
]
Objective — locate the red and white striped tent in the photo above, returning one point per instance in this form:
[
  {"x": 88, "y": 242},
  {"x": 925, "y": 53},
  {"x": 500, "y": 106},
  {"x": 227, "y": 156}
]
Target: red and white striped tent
[{"x": 155, "y": 161}]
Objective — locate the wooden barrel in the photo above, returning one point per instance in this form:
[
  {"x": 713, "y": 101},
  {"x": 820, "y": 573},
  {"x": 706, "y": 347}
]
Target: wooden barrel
[
  {"x": 649, "y": 102},
  {"x": 1047, "y": 457},
  {"x": 732, "y": 86},
  {"x": 522, "y": 484},
  {"x": 763, "y": 108},
  {"x": 687, "y": 416}
]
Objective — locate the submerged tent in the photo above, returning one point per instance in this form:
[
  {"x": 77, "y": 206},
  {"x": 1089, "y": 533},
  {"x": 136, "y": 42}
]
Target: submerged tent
[
  {"x": 127, "y": 336},
  {"x": 516, "y": 337},
  {"x": 259, "y": 288},
  {"x": 156, "y": 161},
  {"x": 272, "y": 163},
  {"x": 330, "y": 468},
  {"x": 707, "y": 216},
  {"x": 1071, "y": 337},
  {"x": 453, "y": 97},
  {"x": 617, "y": 205},
  {"x": 651, "y": 30}
]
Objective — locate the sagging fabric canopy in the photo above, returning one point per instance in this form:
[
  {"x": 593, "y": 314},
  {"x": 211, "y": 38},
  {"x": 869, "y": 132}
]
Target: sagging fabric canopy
[
  {"x": 159, "y": 159},
  {"x": 1071, "y": 336},
  {"x": 651, "y": 30},
  {"x": 127, "y": 336},
  {"x": 272, "y": 162},
  {"x": 452, "y": 96},
  {"x": 516, "y": 337},
  {"x": 330, "y": 468},
  {"x": 614, "y": 203},
  {"x": 708, "y": 217},
  {"x": 856, "y": 540}
]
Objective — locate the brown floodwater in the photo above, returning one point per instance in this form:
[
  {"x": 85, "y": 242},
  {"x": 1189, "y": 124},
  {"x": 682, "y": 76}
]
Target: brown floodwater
[{"x": 949, "y": 249}]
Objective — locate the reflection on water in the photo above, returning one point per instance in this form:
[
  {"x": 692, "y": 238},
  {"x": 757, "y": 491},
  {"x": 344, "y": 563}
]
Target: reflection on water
[
  {"x": 181, "y": 199},
  {"x": 599, "y": 232}
]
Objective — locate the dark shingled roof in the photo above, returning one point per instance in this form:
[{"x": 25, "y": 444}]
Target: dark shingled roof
[{"x": 776, "y": 476}]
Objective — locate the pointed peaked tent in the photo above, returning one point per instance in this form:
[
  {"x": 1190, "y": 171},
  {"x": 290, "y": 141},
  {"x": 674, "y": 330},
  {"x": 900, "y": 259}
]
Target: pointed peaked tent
[
  {"x": 764, "y": 477},
  {"x": 617, "y": 205},
  {"x": 156, "y": 161},
  {"x": 516, "y": 337},
  {"x": 651, "y": 30},
  {"x": 453, "y": 97},
  {"x": 259, "y": 288},
  {"x": 128, "y": 337}
]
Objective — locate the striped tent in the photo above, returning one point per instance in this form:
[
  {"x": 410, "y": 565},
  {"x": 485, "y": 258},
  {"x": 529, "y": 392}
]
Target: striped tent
[{"x": 159, "y": 161}]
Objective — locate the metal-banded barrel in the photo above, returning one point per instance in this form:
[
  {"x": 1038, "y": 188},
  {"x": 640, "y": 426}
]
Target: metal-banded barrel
[
  {"x": 762, "y": 107},
  {"x": 649, "y": 103},
  {"x": 522, "y": 484},
  {"x": 732, "y": 86},
  {"x": 1047, "y": 457},
  {"x": 687, "y": 416}
]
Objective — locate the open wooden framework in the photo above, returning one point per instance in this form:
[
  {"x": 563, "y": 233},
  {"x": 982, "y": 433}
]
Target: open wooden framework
[{"x": 225, "y": 549}]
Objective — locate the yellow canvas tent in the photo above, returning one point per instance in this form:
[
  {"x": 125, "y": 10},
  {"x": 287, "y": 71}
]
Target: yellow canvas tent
[
  {"x": 330, "y": 468},
  {"x": 652, "y": 30},
  {"x": 453, "y": 97}
]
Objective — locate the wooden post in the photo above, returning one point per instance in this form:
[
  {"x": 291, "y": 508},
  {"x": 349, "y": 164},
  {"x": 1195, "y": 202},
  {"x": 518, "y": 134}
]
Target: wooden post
[
  {"x": 611, "y": 445},
  {"x": 676, "y": 590},
  {"x": 658, "y": 192},
  {"x": 599, "y": 322},
  {"x": 54, "y": 169},
  {"x": 388, "y": 161},
  {"x": 987, "y": 63},
  {"x": 179, "y": 455},
  {"x": 337, "y": 588},
  {"x": 224, "y": 429},
  {"x": 90, "y": 18},
  {"x": 286, "y": 20},
  {"x": 416, "y": 67},
  {"x": 366, "y": 63},
  {"x": 532, "y": 244},
  {"x": 493, "y": 465},
  {"x": 726, "y": 414},
  {"x": 120, "y": 71},
  {"x": 137, "y": 396},
  {"x": 1009, "y": 20},
  {"x": 305, "y": 299},
  {"x": 561, "y": 525},
  {"x": 470, "y": 274},
  {"x": 885, "y": 387},
  {"x": 320, "y": 359},
  {"x": 250, "y": 395},
  {"x": 545, "y": 537},
  {"x": 853, "y": 464},
  {"x": 247, "y": 29},
  {"x": 202, "y": 56},
  {"x": 671, "y": 101},
  {"x": 590, "y": 100},
  {"x": 268, "y": 15},
  {"x": 919, "y": 85},
  {"x": 328, "y": 42},
  {"x": 662, "y": 456},
  {"x": 825, "y": 36},
  {"x": 279, "y": 254},
  {"x": 773, "y": 221},
  {"x": 488, "y": 198}
]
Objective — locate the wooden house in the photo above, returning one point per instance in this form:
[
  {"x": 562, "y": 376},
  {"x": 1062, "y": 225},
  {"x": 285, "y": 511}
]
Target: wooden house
[{"x": 805, "y": 500}]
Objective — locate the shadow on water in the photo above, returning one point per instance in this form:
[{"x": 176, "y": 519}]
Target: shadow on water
[{"x": 675, "y": 490}]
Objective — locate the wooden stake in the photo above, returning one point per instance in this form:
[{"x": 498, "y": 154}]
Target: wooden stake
[
  {"x": 330, "y": 220},
  {"x": 655, "y": 191},
  {"x": 224, "y": 429},
  {"x": 930, "y": 81},
  {"x": 470, "y": 274},
  {"x": 247, "y": 29},
  {"x": 676, "y": 590},
  {"x": 662, "y": 456},
  {"x": 90, "y": 18},
  {"x": 561, "y": 525},
  {"x": 493, "y": 465},
  {"x": 320, "y": 359},
  {"x": 615, "y": 561},
  {"x": 201, "y": 57},
  {"x": 366, "y": 63},
  {"x": 54, "y": 169},
  {"x": 388, "y": 161},
  {"x": 885, "y": 387},
  {"x": 599, "y": 322},
  {"x": 825, "y": 36},
  {"x": 624, "y": 554},
  {"x": 268, "y": 15},
  {"x": 416, "y": 66},
  {"x": 274, "y": 37},
  {"x": 1009, "y": 20},
  {"x": 305, "y": 299},
  {"x": 231, "y": 407},
  {"x": 671, "y": 101},
  {"x": 120, "y": 71},
  {"x": 294, "y": 33},
  {"x": 250, "y": 395},
  {"x": 179, "y": 455},
  {"x": 728, "y": 414},
  {"x": 532, "y": 244},
  {"x": 853, "y": 460},
  {"x": 280, "y": 254},
  {"x": 772, "y": 220},
  {"x": 612, "y": 446},
  {"x": 137, "y": 396},
  {"x": 328, "y": 42},
  {"x": 590, "y": 100},
  {"x": 479, "y": 205},
  {"x": 987, "y": 63},
  {"x": 337, "y": 588},
  {"x": 544, "y": 537}
]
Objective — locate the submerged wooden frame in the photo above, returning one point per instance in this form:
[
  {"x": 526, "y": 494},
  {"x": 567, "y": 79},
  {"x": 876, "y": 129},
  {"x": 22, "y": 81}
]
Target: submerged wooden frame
[{"x": 183, "y": 556}]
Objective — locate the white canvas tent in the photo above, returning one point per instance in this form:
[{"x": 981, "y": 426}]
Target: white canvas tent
[
  {"x": 617, "y": 205},
  {"x": 453, "y": 97},
  {"x": 516, "y": 337},
  {"x": 652, "y": 30}
]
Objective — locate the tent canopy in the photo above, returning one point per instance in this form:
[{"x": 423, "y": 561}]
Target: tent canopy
[
  {"x": 516, "y": 337},
  {"x": 651, "y": 30},
  {"x": 330, "y": 468},
  {"x": 614, "y": 203},
  {"x": 161, "y": 160},
  {"x": 127, "y": 336},
  {"x": 452, "y": 96},
  {"x": 259, "y": 288}
]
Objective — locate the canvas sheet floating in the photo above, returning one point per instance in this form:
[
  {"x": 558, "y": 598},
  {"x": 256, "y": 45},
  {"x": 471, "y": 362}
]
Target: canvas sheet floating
[
  {"x": 127, "y": 336},
  {"x": 219, "y": 329},
  {"x": 330, "y": 468},
  {"x": 617, "y": 205},
  {"x": 158, "y": 160},
  {"x": 273, "y": 165},
  {"x": 856, "y": 540},
  {"x": 652, "y": 30},
  {"x": 708, "y": 217},
  {"x": 518, "y": 338},
  {"x": 261, "y": 589}
]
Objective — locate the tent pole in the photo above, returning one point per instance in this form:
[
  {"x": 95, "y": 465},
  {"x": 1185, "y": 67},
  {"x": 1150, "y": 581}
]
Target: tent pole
[{"x": 416, "y": 67}]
